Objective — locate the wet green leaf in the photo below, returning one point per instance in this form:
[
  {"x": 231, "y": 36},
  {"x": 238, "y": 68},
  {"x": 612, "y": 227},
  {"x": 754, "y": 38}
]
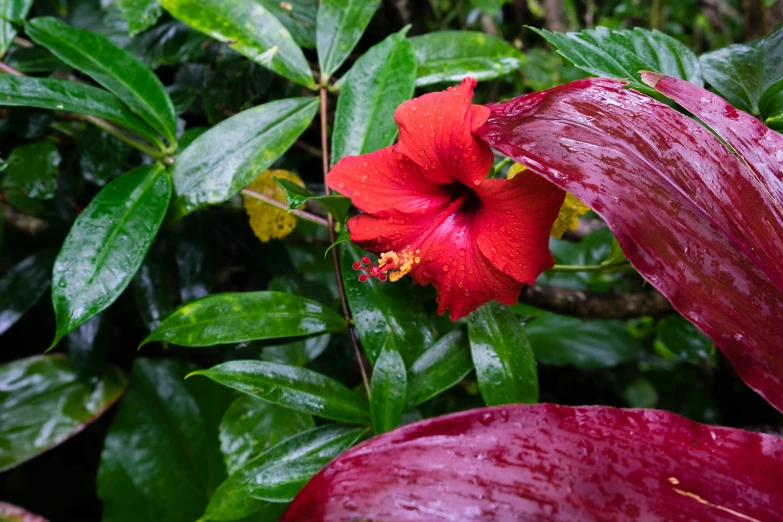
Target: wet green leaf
[
  {"x": 298, "y": 16},
  {"x": 116, "y": 69},
  {"x": 102, "y": 157},
  {"x": 380, "y": 308},
  {"x": 252, "y": 426},
  {"x": 340, "y": 24},
  {"x": 33, "y": 169},
  {"x": 249, "y": 28},
  {"x": 88, "y": 347},
  {"x": 504, "y": 361},
  {"x": 297, "y": 195},
  {"x": 248, "y": 316},
  {"x": 140, "y": 14},
  {"x": 388, "y": 389},
  {"x": 22, "y": 286},
  {"x": 443, "y": 365},
  {"x": 43, "y": 402},
  {"x": 230, "y": 155},
  {"x": 771, "y": 106},
  {"x": 379, "y": 81},
  {"x": 278, "y": 474},
  {"x": 297, "y": 353},
  {"x": 152, "y": 290},
  {"x": 300, "y": 389},
  {"x": 107, "y": 244},
  {"x": 449, "y": 56},
  {"x": 680, "y": 337},
  {"x": 11, "y": 11}
]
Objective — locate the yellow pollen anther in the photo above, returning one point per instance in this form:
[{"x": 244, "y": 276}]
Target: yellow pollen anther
[{"x": 398, "y": 265}]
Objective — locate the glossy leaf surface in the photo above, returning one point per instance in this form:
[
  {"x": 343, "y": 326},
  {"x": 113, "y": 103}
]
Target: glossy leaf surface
[
  {"x": 249, "y": 28},
  {"x": 103, "y": 156},
  {"x": 443, "y": 365},
  {"x": 449, "y": 56},
  {"x": 388, "y": 389},
  {"x": 674, "y": 169},
  {"x": 11, "y": 11},
  {"x": 107, "y": 244},
  {"x": 379, "y": 81},
  {"x": 297, "y": 195},
  {"x": 116, "y": 69},
  {"x": 247, "y": 316},
  {"x": 278, "y": 474},
  {"x": 340, "y": 24},
  {"x": 230, "y": 155},
  {"x": 554, "y": 463},
  {"x": 771, "y": 106},
  {"x": 11, "y": 513},
  {"x": 22, "y": 286},
  {"x": 297, "y": 388},
  {"x": 622, "y": 54},
  {"x": 298, "y": 16},
  {"x": 502, "y": 355},
  {"x": 33, "y": 169},
  {"x": 43, "y": 403},
  {"x": 297, "y": 353},
  {"x": 379, "y": 309},
  {"x": 251, "y": 426},
  {"x": 152, "y": 290},
  {"x": 140, "y": 14},
  {"x": 47, "y": 93},
  {"x": 561, "y": 340}
]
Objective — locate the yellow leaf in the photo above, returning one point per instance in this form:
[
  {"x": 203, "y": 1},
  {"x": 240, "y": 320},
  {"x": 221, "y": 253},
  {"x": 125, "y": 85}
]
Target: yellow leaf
[
  {"x": 267, "y": 221},
  {"x": 569, "y": 215}
]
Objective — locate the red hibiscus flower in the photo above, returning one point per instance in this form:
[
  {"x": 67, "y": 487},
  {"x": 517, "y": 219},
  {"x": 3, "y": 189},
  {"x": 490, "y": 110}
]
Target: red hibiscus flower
[{"x": 429, "y": 210}]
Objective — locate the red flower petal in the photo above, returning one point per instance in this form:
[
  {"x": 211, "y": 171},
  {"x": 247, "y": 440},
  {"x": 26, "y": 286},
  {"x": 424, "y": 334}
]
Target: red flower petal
[
  {"x": 384, "y": 180},
  {"x": 515, "y": 222},
  {"x": 436, "y": 132}
]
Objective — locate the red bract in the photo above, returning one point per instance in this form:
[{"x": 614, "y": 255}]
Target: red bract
[
  {"x": 551, "y": 463},
  {"x": 476, "y": 239},
  {"x": 701, "y": 224}
]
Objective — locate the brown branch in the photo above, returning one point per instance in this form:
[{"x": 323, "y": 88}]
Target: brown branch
[{"x": 588, "y": 305}]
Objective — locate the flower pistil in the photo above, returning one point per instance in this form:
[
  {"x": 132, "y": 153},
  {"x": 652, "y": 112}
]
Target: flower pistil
[{"x": 391, "y": 265}]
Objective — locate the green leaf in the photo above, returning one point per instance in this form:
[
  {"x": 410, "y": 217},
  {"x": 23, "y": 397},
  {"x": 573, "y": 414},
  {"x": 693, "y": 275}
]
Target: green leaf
[
  {"x": 223, "y": 160},
  {"x": 742, "y": 72},
  {"x": 449, "y": 56},
  {"x": 771, "y": 106},
  {"x": 140, "y": 14},
  {"x": 443, "y": 365},
  {"x": 278, "y": 474},
  {"x": 339, "y": 26},
  {"x": 116, "y": 69},
  {"x": 103, "y": 156},
  {"x": 504, "y": 361},
  {"x": 107, "y": 244},
  {"x": 379, "y": 81},
  {"x": 11, "y": 11},
  {"x": 88, "y": 347},
  {"x": 161, "y": 458},
  {"x": 680, "y": 337},
  {"x": 11, "y": 513},
  {"x": 7, "y": 34},
  {"x": 559, "y": 340},
  {"x": 30, "y": 60},
  {"x": 195, "y": 258},
  {"x": 388, "y": 389},
  {"x": 33, "y": 169},
  {"x": 152, "y": 290},
  {"x": 43, "y": 403},
  {"x": 252, "y": 426},
  {"x": 296, "y": 388},
  {"x": 61, "y": 95},
  {"x": 297, "y": 195},
  {"x": 22, "y": 286},
  {"x": 298, "y": 16},
  {"x": 297, "y": 353},
  {"x": 247, "y": 316},
  {"x": 621, "y": 54},
  {"x": 380, "y": 308},
  {"x": 249, "y": 28}
]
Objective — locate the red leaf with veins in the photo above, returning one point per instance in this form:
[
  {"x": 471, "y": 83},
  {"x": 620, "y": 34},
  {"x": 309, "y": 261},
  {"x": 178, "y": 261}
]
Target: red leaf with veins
[
  {"x": 692, "y": 218},
  {"x": 551, "y": 463}
]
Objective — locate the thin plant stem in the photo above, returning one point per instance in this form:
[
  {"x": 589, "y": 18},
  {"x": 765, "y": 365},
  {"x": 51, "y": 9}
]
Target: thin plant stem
[
  {"x": 10, "y": 70},
  {"x": 272, "y": 202},
  {"x": 589, "y": 268}
]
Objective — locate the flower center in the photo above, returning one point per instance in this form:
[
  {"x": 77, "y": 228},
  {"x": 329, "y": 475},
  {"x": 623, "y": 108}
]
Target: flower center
[
  {"x": 464, "y": 199},
  {"x": 391, "y": 265}
]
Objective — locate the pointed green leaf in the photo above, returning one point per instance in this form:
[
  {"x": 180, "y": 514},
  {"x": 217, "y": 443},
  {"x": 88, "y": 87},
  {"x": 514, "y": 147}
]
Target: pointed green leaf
[
  {"x": 249, "y": 28},
  {"x": 298, "y": 16},
  {"x": 33, "y": 169},
  {"x": 443, "y": 365},
  {"x": 140, "y": 14},
  {"x": 230, "y": 155},
  {"x": 278, "y": 474},
  {"x": 107, "y": 244},
  {"x": 379, "y": 81},
  {"x": 388, "y": 389},
  {"x": 340, "y": 24},
  {"x": 297, "y": 195},
  {"x": 62, "y": 95},
  {"x": 247, "y": 316},
  {"x": 449, "y": 56},
  {"x": 296, "y": 388},
  {"x": 297, "y": 353},
  {"x": 116, "y": 69},
  {"x": 43, "y": 403},
  {"x": 504, "y": 361},
  {"x": 621, "y": 54},
  {"x": 152, "y": 290},
  {"x": 11, "y": 11},
  {"x": 771, "y": 106},
  {"x": 22, "y": 286}
]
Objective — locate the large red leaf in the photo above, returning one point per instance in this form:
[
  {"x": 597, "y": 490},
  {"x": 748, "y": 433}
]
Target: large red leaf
[
  {"x": 551, "y": 463},
  {"x": 692, "y": 217}
]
